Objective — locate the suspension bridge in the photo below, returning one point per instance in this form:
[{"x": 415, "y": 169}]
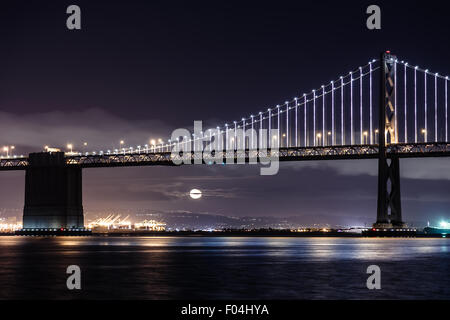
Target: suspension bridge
[{"x": 387, "y": 110}]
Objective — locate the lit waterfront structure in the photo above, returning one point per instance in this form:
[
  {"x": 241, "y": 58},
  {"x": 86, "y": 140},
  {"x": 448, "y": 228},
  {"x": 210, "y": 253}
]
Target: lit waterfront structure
[
  {"x": 110, "y": 222},
  {"x": 115, "y": 222},
  {"x": 10, "y": 227},
  {"x": 150, "y": 225}
]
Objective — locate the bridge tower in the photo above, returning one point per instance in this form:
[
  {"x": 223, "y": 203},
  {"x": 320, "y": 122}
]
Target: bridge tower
[
  {"x": 389, "y": 211},
  {"x": 53, "y": 193}
]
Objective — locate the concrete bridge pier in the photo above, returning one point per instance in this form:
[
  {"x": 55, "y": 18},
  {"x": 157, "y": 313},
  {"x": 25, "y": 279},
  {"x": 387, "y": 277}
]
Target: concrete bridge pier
[
  {"x": 53, "y": 193},
  {"x": 389, "y": 208}
]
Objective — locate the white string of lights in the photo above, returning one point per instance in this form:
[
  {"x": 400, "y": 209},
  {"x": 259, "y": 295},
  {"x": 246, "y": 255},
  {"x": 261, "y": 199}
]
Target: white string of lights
[
  {"x": 395, "y": 101},
  {"x": 361, "y": 136},
  {"x": 343, "y": 84},
  {"x": 296, "y": 118},
  {"x": 323, "y": 115},
  {"x": 426, "y": 108},
  {"x": 406, "y": 114},
  {"x": 333, "y": 134},
  {"x": 315, "y": 96},
  {"x": 287, "y": 124},
  {"x": 305, "y": 126},
  {"x": 278, "y": 126},
  {"x": 351, "y": 109},
  {"x": 296, "y": 105},
  {"x": 370, "y": 103},
  {"x": 446, "y": 108},
  {"x": 270, "y": 127},
  {"x": 415, "y": 104},
  {"x": 435, "y": 110},
  {"x": 342, "y": 112},
  {"x": 314, "y": 116},
  {"x": 437, "y": 77}
]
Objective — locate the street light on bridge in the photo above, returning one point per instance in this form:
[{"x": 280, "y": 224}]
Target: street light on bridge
[
  {"x": 153, "y": 143},
  {"x": 424, "y": 132},
  {"x": 6, "y": 149},
  {"x": 274, "y": 139}
]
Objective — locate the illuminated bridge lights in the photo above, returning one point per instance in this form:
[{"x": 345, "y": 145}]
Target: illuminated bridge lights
[
  {"x": 351, "y": 96},
  {"x": 410, "y": 150},
  {"x": 284, "y": 154}
]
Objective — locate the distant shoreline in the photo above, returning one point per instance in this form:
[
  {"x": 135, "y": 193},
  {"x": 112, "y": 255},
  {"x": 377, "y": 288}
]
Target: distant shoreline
[{"x": 236, "y": 233}]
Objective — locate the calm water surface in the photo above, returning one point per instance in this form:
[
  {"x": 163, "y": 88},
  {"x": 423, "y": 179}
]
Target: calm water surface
[{"x": 223, "y": 268}]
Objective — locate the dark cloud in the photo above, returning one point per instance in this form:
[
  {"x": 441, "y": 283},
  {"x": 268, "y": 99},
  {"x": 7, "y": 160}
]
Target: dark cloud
[{"x": 101, "y": 129}]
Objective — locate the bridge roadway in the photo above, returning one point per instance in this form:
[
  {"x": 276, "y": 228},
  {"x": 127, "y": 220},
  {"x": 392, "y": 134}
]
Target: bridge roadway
[{"x": 403, "y": 150}]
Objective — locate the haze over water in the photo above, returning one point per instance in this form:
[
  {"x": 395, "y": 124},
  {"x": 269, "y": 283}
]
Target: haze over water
[{"x": 223, "y": 267}]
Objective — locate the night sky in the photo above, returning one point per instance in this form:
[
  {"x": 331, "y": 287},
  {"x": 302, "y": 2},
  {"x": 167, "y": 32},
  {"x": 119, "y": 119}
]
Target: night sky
[{"x": 139, "y": 69}]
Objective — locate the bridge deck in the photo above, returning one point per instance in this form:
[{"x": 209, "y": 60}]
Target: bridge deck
[{"x": 420, "y": 150}]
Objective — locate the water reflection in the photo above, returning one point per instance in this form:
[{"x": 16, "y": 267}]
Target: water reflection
[{"x": 222, "y": 267}]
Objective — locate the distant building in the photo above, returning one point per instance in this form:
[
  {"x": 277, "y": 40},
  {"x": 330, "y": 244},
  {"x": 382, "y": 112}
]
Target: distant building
[
  {"x": 113, "y": 223},
  {"x": 150, "y": 225}
]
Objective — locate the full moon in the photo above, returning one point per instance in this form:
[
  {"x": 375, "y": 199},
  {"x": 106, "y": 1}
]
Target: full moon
[{"x": 195, "y": 194}]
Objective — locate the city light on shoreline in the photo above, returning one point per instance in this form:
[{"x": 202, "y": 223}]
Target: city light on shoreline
[{"x": 115, "y": 222}]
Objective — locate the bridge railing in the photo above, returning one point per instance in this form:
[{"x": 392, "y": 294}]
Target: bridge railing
[{"x": 255, "y": 156}]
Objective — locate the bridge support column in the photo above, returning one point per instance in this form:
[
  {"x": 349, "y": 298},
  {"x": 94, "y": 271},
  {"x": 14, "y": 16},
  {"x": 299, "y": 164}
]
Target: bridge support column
[
  {"x": 53, "y": 193},
  {"x": 389, "y": 211},
  {"x": 389, "y": 201}
]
